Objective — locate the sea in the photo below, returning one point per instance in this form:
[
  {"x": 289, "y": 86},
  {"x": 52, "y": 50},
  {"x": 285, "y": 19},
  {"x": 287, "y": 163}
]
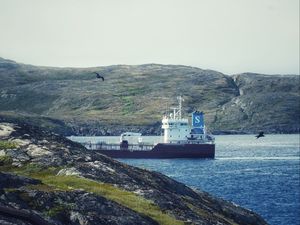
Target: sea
[{"x": 262, "y": 175}]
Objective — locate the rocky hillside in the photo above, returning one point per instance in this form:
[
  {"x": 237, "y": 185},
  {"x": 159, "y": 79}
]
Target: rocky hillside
[
  {"x": 47, "y": 179},
  {"x": 74, "y": 101}
]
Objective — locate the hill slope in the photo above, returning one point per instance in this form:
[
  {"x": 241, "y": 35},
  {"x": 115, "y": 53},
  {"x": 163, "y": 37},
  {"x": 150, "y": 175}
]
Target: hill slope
[{"x": 135, "y": 97}]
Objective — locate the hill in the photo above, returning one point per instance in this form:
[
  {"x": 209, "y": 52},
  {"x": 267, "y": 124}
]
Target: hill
[{"x": 74, "y": 101}]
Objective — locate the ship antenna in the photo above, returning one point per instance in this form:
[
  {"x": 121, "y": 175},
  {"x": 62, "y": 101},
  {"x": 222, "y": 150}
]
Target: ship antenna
[{"x": 180, "y": 100}]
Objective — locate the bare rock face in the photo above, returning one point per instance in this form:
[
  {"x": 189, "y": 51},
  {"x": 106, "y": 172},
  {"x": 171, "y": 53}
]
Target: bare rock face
[{"x": 69, "y": 205}]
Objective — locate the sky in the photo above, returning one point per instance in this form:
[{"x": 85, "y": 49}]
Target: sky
[{"x": 230, "y": 36}]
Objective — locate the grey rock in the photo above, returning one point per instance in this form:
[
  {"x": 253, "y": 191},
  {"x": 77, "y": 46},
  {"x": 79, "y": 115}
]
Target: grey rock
[
  {"x": 36, "y": 151},
  {"x": 69, "y": 172},
  {"x": 78, "y": 206}
]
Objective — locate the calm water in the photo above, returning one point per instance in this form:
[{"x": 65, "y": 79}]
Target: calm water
[{"x": 260, "y": 174}]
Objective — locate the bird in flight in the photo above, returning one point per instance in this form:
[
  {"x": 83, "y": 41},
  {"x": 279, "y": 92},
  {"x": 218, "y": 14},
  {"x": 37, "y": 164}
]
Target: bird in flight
[
  {"x": 261, "y": 134},
  {"x": 99, "y": 76}
]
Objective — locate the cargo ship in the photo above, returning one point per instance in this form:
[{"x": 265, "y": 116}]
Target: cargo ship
[{"x": 180, "y": 139}]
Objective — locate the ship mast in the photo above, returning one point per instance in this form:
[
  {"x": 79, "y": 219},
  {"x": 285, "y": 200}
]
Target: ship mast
[
  {"x": 177, "y": 111},
  {"x": 180, "y": 100}
]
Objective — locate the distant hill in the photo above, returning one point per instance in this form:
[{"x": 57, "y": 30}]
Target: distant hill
[{"x": 74, "y": 101}]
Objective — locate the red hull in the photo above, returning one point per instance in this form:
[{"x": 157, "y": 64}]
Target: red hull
[{"x": 166, "y": 151}]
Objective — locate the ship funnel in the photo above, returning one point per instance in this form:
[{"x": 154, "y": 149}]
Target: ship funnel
[{"x": 198, "y": 122}]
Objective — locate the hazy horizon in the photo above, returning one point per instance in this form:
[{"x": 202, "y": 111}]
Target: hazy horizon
[{"x": 232, "y": 36}]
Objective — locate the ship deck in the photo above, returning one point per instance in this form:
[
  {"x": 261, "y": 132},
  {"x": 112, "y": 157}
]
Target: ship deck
[{"x": 105, "y": 146}]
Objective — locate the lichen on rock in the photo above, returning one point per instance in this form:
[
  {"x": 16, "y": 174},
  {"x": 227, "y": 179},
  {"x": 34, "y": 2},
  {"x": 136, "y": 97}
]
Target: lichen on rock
[
  {"x": 6, "y": 129},
  {"x": 69, "y": 172},
  {"x": 37, "y": 151}
]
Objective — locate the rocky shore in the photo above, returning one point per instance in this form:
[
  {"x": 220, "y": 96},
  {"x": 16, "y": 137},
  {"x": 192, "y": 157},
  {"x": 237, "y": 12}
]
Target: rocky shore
[{"x": 48, "y": 179}]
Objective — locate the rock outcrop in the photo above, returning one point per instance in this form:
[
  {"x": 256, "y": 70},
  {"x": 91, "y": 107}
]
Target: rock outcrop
[{"x": 60, "y": 182}]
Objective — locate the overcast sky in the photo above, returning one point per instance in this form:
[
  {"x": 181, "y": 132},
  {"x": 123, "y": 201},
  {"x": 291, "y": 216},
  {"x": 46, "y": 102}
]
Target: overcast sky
[{"x": 231, "y": 36}]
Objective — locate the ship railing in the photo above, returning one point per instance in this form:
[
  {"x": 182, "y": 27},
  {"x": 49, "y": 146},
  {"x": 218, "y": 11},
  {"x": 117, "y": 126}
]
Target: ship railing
[{"x": 105, "y": 146}]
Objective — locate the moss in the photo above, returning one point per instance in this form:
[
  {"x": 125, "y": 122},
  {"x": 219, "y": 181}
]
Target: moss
[
  {"x": 8, "y": 190},
  {"x": 42, "y": 187},
  {"x": 209, "y": 215},
  {"x": 7, "y": 145},
  {"x": 59, "y": 208},
  {"x": 52, "y": 212},
  {"x": 30, "y": 169},
  {"x": 36, "y": 170},
  {"x": 198, "y": 211},
  {"x": 5, "y": 161}
]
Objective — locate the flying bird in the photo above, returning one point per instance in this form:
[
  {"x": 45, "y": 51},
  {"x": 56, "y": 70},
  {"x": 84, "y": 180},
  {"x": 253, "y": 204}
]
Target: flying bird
[
  {"x": 261, "y": 134},
  {"x": 99, "y": 76}
]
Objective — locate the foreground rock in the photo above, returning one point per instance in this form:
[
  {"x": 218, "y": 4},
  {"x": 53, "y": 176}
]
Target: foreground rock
[{"x": 85, "y": 186}]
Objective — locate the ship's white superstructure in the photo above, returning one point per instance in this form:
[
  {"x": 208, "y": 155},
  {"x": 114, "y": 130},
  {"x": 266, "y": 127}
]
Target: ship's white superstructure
[{"x": 177, "y": 129}]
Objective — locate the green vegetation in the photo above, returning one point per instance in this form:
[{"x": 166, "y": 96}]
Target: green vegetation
[
  {"x": 108, "y": 191},
  {"x": 7, "y": 145},
  {"x": 51, "y": 182},
  {"x": 208, "y": 216},
  {"x": 59, "y": 208},
  {"x": 134, "y": 95},
  {"x": 128, "y": 105},
  {"x": 5, "y": 160},
  {"x": 132, "y": 91},
  {"x": 129, "y": 96}
]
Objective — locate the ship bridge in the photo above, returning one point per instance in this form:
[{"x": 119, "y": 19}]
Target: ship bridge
[{"x": 176, "y": 129}]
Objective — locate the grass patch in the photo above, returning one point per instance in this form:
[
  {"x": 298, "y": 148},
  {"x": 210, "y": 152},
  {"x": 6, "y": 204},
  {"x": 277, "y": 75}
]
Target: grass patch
[
  {"x": 135, "y": 91},
  {"x": 128, "y": 105},
  {"x": 7, "y": 145},
  {"x": 51, "y": 182},
  {"x": 37, "y": 171},
  {"x": 42, "y": 187},
  {"x": 125, "y": 198}
]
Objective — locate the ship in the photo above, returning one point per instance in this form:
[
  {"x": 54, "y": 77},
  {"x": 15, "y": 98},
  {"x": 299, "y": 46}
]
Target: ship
[{"x": 180, "y": 139}]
